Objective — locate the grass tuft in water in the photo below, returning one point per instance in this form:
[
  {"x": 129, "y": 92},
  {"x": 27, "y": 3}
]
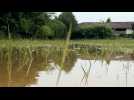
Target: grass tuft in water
[{"x": 65, "y": 50}]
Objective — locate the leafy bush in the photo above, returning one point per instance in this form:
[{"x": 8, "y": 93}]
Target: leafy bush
[
  {"x": 96, "y": 32},
  {"x": 67, "y": 18},
  {"x": 45, "y": 32},
  {"x": 58, "y": 27},
  {"x": 127, "y": 35},
  {"x": 25, "y": 25},
  {"x": 2, "y": 35},
  {"x": 131, "y": 35}
]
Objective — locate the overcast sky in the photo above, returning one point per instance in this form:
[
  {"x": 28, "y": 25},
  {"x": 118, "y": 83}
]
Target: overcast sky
[{"x": 102, "y": 16}]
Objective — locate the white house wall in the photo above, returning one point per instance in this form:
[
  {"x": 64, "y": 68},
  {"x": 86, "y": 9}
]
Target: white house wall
[{"x": 129, "y": 31}]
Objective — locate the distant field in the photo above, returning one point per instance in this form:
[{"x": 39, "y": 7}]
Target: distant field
[{"x": 126, "y": 45}]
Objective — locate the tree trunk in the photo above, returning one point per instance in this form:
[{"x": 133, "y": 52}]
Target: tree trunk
[{"x": 8, "y": 31}]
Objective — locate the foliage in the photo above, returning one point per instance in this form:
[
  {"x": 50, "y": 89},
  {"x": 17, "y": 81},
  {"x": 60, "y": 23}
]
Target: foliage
[
  {"x": 108, "y": 20},
  {"x": 96, "y": 32},
  {"x": 67, "y": 18},
  {"x": 58, "y": 27},
  {"x": 22, "y": 23},
  {"x": 25, "y": 25},
  {"x": 45, "y": 32},
  {"x": 44, "y": 25}
]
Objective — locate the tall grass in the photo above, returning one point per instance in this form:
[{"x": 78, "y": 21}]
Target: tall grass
[
  {"x": 86, "y": 73},
  {"x": 65, "y": 50},
  {"x": 108, "y": 48},
  {"x": 30, "y": 63},
  {"x": 9, "y": 62},
  {"x": 117, "y": 45}
]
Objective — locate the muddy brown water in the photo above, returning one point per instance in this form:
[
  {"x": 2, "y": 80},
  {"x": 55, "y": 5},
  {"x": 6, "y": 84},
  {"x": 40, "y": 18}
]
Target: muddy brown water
[{"x": 40, "y": 67}]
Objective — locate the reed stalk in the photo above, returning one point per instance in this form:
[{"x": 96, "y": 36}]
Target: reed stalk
[{"x": 65, "y": 50}]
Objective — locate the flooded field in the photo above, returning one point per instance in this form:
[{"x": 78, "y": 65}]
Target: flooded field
[{"x": 83, "y": 67}]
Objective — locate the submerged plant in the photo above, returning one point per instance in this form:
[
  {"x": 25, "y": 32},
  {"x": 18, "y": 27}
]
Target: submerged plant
[
  {"x": 127, "y": 68},
  {"x": 30, "y": 63},
  {"x": 9, "y": 63},
  {"x": 86, "y": 73},
  {"x": 65, "y": 50}
]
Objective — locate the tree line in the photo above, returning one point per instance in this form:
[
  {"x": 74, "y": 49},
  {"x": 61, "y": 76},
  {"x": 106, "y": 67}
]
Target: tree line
[
  {"x": 35, "y": 25},
  {"x": 46, "y": 25}
]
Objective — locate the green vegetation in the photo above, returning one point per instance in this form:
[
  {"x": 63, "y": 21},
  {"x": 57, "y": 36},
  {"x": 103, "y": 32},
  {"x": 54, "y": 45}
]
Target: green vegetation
[
  {"x": 30, "y": 41},
  {"x": 58, "y": 28},
  {"x": 67, "y": 18},
  {"x": 45, "y": 25},
  {"x": 122, "y": 44},
  {"x": 94, "y": 32},
  {"x": 35, "y": 25},
  {"x": 44, "y": 32},
  {"x": 108, "y": 20}
]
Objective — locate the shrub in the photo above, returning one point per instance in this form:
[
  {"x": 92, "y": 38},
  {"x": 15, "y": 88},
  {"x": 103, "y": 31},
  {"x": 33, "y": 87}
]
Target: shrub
[
  {"x": 2, "y": 35},
  {"x": 44, "y": 32},
  {"x": 96, "y": 32},
  {"x": 58, "y": 28}
]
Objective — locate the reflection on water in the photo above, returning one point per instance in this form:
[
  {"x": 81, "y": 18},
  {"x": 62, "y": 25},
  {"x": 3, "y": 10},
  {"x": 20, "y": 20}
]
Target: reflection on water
[
  {"x": 40, "y": 67},
  {"x": 98, "y": 76}
]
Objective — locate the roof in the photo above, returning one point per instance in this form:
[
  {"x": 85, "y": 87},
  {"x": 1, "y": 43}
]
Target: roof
[{"x": 114, "y": 25}]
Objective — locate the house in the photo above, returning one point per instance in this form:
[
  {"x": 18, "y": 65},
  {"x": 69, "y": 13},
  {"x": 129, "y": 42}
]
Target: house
[{"x": 117, "y": 27}]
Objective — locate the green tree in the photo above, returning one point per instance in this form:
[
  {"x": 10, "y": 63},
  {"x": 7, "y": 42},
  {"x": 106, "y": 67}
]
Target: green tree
[
  {"x": 39, "y": 20},
  {"x": 8, "y": 23},
  {"x": 30, "y": 22},
  {"x": 96, "y": 32},
  {"x": 58, "y": 27},
  {"x": 67, "y": 18},
  {"x": 25, "y": 25},
  {"x": 45, "y": 32},
  {"x": 108, "y": 20},
  {"x": 21, "y": 23}
]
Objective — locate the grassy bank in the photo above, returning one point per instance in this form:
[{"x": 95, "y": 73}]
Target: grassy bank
[{"x": 125, "y": 45}]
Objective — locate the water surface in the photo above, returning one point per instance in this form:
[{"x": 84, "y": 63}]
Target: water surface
[{"x": 41, "y": 67}]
